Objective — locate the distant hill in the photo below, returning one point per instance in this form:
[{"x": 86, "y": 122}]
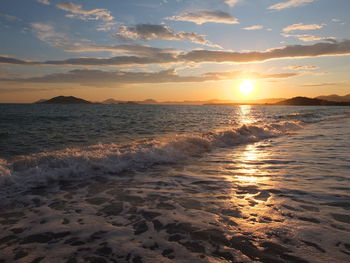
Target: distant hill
[
  {"x": 335, "y": 97},
  {"x": 111, "y": 101},
  {"x": 64, "y": 100},
  {"x": 148, "y": 101},
  {"x": 334, "y": 100},
  {"x": 304, "y": 101},
  {"x": 195, "y": 102},
  {"x": 128, "y": 102},
  {"x": 41, "y": 101}
]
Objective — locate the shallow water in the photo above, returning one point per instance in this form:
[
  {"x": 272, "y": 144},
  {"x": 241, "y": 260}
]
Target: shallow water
[
  {"x": 274, "y": 190},
  {"x": 32, "y": 128}
]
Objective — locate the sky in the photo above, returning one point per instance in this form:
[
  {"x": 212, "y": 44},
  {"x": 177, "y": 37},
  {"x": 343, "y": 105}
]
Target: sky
[{"x": 173, "y": 50}]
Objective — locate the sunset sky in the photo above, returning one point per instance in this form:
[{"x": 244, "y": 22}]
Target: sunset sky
[{"x": 173, "y": 49}]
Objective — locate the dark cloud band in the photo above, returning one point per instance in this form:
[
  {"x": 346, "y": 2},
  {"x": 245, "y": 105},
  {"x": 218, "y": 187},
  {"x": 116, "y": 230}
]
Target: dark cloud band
[{"x": 160, "y": 56}]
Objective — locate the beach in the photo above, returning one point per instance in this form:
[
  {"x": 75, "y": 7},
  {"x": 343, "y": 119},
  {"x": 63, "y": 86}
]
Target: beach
[{"x": 253, "y": 184}]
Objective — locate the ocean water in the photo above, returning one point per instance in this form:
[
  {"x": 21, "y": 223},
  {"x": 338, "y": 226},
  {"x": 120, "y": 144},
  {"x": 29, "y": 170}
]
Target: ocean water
[{"x": 153, "y": 183}]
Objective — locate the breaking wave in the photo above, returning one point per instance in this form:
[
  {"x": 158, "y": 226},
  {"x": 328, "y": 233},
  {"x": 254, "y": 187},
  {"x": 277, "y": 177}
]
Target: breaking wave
[{"x": 103, "y": 159}]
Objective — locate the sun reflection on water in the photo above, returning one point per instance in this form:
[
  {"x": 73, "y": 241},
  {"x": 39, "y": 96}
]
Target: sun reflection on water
[
  {"x": 250, "y": 164},
  {"x": 245, "y": 114},
  {"x": 251, "y": 183}
]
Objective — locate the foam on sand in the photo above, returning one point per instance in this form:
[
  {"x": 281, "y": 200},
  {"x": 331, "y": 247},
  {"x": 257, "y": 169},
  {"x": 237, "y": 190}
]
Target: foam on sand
[{"x": 253, "y": 202}]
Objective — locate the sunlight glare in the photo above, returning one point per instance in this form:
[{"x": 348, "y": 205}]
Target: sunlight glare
[{"x": 246, "y": 87}]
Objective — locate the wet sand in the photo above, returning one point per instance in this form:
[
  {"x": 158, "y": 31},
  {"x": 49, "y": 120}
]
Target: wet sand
[{"x": 283, "y": 200}]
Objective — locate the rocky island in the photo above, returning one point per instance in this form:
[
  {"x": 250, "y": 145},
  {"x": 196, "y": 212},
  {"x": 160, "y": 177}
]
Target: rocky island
[{"x": 64, "y": 100}]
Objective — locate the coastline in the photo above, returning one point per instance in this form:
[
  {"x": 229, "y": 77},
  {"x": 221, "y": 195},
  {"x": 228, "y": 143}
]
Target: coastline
[{"x": 250, "y": 203}]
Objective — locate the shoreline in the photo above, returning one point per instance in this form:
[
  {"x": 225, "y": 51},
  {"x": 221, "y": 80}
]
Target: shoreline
[{"x": 224, "y": 207}]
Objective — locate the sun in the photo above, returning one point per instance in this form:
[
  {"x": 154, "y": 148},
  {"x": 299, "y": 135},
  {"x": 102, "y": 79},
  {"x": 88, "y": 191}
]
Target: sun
[{"x": 246, "y": 87}]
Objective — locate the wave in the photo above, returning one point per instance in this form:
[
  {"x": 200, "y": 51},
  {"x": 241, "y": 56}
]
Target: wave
[
  {"x": 316, "y": 115},
  {"x": 4, "y": 171},
  {"x": 308, "y": 117},
  {"x": 112, "y": 159}
]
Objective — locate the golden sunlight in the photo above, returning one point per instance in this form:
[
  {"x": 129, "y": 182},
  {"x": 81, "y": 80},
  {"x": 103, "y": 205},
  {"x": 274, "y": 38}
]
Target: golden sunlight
[{"x": 246, "y": 87}]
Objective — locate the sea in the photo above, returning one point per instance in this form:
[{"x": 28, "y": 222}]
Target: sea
[{"x": 174, "y": 183}]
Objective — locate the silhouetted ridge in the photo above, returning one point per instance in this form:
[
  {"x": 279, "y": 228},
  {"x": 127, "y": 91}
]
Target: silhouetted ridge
[
  {"x": 111, "y": 101},
  {"x": 40, "y": 101},
  {"x": 335, "y": 97},
  {"x": 304, "y": 101},
  {"x": 65, "y": 100}
]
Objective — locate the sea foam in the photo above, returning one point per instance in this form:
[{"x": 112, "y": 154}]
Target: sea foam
[{"x": 112, "y": 159}]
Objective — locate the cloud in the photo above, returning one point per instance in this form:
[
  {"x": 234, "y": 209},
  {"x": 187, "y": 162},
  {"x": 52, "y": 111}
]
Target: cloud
[
  {"x": 231, "y": 3},
  {"x": 15, "y": 61},
  {"x": 47, "y": 33},
  {"x": 150, "y": 32},
  {"x": 44, "y": 2},
  {"x": 301, "y": 26},
  {"x": 201, "y": 17},
  {"x": 10, "y": 17},
  {"x": 256, "y": 75},
  {"x": 302, "y": 67},
  {"x": 337, "y": 20},
  {"x": 101, "y": 77},
  {"x": 132, "y": 55},
  {"x": 334, "y": 48},
  {"x": 91, "y": 77},
  {"x": 310, "y": 38},
  {"x": 3, "y": 74},
  {"x": 76, "y": 11},
  {"x": 292, "y": 51},
  {"x": 135, "y": 49},
  {"x": 289, "y": 4},
  {"x": 255, "y": 27},
  {"x": 165, "y": 58},
  {"x": 279, "y": 75},
  {"x": 322, "y": 84}
]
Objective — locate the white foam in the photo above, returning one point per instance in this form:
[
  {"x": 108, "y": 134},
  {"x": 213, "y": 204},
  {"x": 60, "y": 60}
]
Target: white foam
[{"x": 73, "y": 163}]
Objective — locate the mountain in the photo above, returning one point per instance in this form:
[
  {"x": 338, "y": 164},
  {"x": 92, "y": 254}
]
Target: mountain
[
  {"x": 195, "y": 102},
  {"x": 148, "y": 101},
  {"x": 65, "y": 100},
  {"x": 40, "y": 101},
  {"x": 335, "y": 97},
  {"x": 304, "y": 101},
  {"x": 111, "y": 101},
  {"x": 334, "y": 100}
]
